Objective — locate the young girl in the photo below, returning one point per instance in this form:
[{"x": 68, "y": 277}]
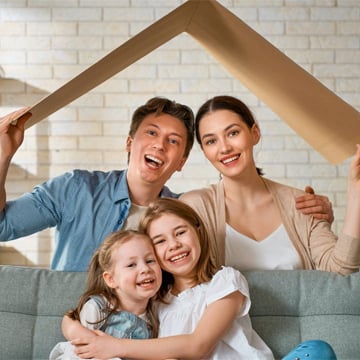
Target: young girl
[
  {"x": 209, "y": 307},
  {"x": 123, "y": 277}
]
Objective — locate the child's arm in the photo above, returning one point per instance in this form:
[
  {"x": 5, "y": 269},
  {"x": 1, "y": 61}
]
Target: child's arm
[
  {"x": 216, "y": 321},
  {"x": 90, "y": 317},
  {"x": 72, "y": 329}
]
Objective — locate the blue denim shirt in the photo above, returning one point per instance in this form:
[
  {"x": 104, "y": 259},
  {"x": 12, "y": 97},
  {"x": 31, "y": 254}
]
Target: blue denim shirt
[{"x": 84, "y": 206}]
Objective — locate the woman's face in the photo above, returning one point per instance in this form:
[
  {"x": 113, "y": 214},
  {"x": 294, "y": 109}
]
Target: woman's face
[{"x": 228, "y": 142}]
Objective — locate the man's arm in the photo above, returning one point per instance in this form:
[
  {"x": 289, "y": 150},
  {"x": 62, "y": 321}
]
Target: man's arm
[
  {"x": 318, "y": 206},
  {"x": 11, "y": 137}
]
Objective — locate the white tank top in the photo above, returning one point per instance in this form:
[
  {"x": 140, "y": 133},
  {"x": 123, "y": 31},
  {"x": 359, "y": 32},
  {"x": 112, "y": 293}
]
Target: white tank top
[{"x": 274, "y": 252}]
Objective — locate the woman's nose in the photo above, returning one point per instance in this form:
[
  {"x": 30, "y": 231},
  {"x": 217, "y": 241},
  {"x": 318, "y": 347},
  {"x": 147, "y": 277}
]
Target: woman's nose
[{"x": 225, "y": 147}]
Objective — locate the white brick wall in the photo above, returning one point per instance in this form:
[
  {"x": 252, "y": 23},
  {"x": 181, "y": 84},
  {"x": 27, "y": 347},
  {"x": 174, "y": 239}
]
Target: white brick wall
[{"x": 43, "y": 44}]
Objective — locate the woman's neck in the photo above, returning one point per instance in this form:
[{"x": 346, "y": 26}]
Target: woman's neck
[{"x": 244, "y": 190}]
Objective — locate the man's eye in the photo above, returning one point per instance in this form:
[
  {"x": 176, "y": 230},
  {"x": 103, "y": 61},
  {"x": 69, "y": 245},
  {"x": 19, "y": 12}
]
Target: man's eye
[
  {"x": 173, "y": 141},
  {"x": 131, "y": 265},
  {"x": 151, "y": 132}
]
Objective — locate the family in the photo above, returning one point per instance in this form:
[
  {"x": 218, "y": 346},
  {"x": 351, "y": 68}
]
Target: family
[{"x": 244, "y": 222}]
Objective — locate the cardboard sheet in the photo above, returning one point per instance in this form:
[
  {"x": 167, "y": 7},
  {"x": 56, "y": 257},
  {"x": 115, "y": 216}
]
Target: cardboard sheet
[{"x": 324, "y": 120}]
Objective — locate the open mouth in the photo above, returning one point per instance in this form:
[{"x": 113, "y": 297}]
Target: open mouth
[
  {"x": 153, "y": 162},
  {"x": 179, "y": 257},
  {"x": 230, "y": 159},
  {"x": 146, "y": 282}
]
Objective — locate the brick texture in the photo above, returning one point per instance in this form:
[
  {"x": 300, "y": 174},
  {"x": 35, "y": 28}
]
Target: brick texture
[{"x": 45, "y": 44}]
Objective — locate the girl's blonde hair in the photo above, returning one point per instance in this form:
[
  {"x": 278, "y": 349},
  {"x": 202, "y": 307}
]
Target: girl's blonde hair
[
  {"x": 102, "y": 261},
  {"x": 205, "y": 268}
]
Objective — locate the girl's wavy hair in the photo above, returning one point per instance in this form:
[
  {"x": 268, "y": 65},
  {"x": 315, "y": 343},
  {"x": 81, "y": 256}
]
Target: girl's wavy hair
[
  {"x": 205, "y": 268},
  {"x": 102, "y": 261},
  {"x": 225, "y": 102}
]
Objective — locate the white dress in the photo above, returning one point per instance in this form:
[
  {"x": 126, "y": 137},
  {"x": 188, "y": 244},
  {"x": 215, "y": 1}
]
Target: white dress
[{"x": 183, "y": 312}]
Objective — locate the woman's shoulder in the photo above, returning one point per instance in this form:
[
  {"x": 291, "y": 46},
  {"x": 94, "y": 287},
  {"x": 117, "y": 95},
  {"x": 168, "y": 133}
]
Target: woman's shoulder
[
  {"x": 203, "y": 194},
  {"x": 275, "y": 186}
]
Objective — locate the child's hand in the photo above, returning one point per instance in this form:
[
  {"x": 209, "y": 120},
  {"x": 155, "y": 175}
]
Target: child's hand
[{"x": 102, "y": 346}]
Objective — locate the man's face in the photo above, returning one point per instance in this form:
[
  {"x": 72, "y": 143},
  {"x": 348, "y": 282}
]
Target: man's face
[{"x": 157, "y": 149}]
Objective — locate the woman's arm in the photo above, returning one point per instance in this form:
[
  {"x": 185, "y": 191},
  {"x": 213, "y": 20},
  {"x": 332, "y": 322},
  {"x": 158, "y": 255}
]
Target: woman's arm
[
  {"x": 351, "y": 225},
  {"x": 215, "y": 322},
  {"x": 340, "y": 254}
]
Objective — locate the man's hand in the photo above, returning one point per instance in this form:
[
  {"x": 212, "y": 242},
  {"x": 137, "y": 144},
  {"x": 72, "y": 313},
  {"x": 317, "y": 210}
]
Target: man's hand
[
  {"x": 12, "y": 132},
  {"x": 318, "y": 206}
]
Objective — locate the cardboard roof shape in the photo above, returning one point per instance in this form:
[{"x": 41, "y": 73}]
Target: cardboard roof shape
[{"x": 318, "y": 115}]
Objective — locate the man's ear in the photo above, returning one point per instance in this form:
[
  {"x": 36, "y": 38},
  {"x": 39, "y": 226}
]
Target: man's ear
[
  {"x": 182, "y": 163},
  {"x": 109, "y": 280},
  {"x": 128, "y": 143},
  {"x": 256, "y": 134}
]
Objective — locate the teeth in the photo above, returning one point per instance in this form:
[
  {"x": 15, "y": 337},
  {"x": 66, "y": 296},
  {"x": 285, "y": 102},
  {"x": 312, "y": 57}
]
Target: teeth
[
  {"x": 230, "y": 159},
  {"x": 154, "y": 159},
  {"x": 178, "y": 257},
  {"x": 146, "y": 282}
]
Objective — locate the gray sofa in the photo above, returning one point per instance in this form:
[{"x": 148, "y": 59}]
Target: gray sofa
[{"x": 287, "y": 307}]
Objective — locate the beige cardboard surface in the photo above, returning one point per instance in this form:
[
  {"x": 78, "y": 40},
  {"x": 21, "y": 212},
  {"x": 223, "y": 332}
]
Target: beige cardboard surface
[{"x": 317, "y": 114}]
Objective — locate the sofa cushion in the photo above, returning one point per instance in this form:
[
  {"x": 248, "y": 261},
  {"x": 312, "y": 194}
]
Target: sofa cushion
[{"x": 287, "y": 307}]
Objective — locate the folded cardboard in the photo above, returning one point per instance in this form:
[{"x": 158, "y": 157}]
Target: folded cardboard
[{"x": 329, "y": 124}]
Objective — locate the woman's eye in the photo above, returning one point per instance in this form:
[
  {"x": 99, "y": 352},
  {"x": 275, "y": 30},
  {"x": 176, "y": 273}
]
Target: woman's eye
[
  {"x": 210, "y": 142},
  {"x": 131, "y": 265},
  {"x": 234, "y": 133},
  {"x": 151, "y": 261}
]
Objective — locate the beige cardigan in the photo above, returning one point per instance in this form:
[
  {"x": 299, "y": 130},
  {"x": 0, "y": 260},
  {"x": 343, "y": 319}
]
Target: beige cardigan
[{"x": 318, "y": 247}]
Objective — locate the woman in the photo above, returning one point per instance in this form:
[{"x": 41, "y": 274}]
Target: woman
[{"x": 252, "y": 220}]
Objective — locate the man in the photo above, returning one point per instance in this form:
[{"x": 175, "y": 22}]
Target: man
[{"x": 86, "y": 206}]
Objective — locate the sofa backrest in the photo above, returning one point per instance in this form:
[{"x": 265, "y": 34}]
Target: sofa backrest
[{"x": 287, "y": 307}]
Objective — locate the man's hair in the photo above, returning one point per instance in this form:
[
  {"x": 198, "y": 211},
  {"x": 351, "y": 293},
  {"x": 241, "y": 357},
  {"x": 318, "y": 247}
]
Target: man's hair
[{"x": 160, "y": 105}]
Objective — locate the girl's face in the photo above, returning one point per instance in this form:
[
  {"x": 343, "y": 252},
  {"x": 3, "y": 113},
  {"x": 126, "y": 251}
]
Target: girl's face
[
  {"x": 177, "y": 246},
  {"x": 228, "y": 142},
  {"x": 136, "y": 274}
]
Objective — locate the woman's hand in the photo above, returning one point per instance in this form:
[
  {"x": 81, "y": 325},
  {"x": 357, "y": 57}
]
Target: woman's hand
[{"x": 354, "y": 170}]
